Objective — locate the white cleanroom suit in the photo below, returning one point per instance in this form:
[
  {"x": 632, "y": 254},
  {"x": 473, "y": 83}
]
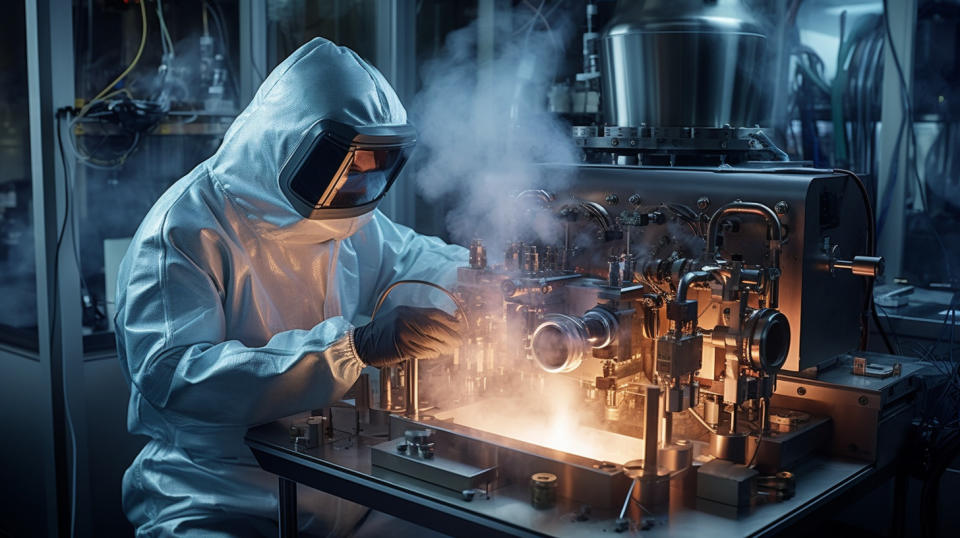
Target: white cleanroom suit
[{"x": 233, "y": 309}]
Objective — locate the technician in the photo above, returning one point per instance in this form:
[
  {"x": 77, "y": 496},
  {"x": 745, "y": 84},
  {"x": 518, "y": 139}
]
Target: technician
[{"x": 238, "y": 297}]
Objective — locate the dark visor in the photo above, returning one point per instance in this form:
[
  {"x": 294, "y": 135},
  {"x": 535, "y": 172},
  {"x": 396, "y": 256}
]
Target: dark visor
[{"x": 344, "y": 167}]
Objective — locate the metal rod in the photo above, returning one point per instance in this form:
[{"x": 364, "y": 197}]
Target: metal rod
[
  {"x": 413, "y": 389},
  {"x": 386, "y": 388},
  {"x": 287, "y": 507},
  {"x": 651, "y": 426},
  {"x": 626, "y": 502}
]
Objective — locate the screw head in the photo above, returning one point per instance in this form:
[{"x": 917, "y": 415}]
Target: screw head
[
  {"x": 801, "y": 390},
  {"x": 782, "y": 207},
  {"x": 635, "y": 199},
  {"x": 703, "y": 202},
  {"x": 862, "y": 400},
  {"x": 612, "y": 199}
]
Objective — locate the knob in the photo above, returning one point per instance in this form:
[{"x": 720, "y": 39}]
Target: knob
[{"x": 871, "y": 266}]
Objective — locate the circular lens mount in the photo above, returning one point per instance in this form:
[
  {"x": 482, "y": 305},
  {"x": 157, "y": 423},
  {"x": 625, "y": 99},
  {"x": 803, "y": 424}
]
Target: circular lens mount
[
  {"x": 767, "y": 339},
  {"x": 560, "y": 343}
]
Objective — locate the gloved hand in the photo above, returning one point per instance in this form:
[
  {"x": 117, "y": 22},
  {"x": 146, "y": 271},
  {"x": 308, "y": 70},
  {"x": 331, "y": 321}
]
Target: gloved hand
[{"x": 407, "y": 332}]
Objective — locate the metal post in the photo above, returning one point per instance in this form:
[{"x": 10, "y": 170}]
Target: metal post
[
  {"x": 892, "y": 182},
  {"x": 651, "y": 426},
  {"x": 413, "y": 389},
  {"x": 50, "y": 82},
  {"x": 287, "y": 508}
]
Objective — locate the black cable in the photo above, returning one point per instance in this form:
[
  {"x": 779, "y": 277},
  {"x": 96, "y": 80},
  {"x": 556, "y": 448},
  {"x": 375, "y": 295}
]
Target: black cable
[
  {"x": 55, "y": 309},
  {"x": 871, "y": 251},
  {"x": 883, "y": 333}
]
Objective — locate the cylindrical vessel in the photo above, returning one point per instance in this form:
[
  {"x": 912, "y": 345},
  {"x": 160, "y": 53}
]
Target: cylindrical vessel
[
  {"x": 543, "y": 490},
  {"x": 683, "y": 63}
]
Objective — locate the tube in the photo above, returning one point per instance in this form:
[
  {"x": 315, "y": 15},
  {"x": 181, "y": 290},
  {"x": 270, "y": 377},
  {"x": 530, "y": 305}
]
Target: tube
[{"x": 750, "y": 208}]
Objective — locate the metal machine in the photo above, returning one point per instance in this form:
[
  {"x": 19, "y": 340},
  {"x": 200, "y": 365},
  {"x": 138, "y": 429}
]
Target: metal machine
[{"x": 676, "y": 320}]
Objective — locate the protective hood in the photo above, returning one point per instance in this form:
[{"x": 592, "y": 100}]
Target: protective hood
[{"x": 319, "y": 81}]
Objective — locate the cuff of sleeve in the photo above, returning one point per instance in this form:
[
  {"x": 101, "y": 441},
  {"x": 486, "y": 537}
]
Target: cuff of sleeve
[
  {"x": 344, "y": 361},
  {"x": 353, "y": 345}
]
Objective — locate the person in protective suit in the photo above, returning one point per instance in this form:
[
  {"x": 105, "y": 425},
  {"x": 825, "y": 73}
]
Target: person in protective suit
[{"x": 238, "y": 297}]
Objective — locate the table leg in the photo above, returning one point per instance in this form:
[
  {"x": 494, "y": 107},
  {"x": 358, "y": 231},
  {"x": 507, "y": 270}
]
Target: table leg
[{"x": 288, "y": 508}]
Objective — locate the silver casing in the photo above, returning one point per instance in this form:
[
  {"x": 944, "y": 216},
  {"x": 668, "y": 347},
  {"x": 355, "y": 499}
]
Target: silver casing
[
  {"x": 682, "y": 63},
  {"x": 823, "y": 307}
]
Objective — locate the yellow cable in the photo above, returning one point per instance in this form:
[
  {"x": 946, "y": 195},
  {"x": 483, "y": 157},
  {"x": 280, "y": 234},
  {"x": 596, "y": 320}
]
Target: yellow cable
[{"x": 143, "y": 42}]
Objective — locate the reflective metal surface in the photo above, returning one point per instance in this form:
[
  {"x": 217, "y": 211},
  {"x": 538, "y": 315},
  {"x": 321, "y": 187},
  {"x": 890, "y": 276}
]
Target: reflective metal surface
[{"x": 683, "y": 63}]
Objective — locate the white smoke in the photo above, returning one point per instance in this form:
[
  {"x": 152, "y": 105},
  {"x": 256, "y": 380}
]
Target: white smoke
[{"x": 483, "y": 126}]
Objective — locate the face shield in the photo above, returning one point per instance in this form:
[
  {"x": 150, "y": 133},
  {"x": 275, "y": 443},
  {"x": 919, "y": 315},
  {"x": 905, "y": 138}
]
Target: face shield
[{"x": 341, "y": 171}]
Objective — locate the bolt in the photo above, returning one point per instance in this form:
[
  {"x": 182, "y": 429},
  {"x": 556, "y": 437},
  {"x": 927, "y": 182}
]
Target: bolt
[
  {"x": 615, "y": 142},
  {"x": 635, "y": 199},
  {"x": 703, "y": 202},
  {"x": 801, "y": 391},
  {"x": 782, "y": 207},
  {"x": 612, "y": 199},
  {"x": 862, "y": 400}
]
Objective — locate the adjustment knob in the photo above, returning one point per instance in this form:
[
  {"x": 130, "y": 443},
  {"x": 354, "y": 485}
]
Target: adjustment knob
[{"x": 871, "y": 266}]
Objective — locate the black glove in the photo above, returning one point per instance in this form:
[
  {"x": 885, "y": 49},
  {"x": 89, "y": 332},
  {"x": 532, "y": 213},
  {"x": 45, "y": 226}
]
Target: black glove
[{"x": 407, "y": 332}]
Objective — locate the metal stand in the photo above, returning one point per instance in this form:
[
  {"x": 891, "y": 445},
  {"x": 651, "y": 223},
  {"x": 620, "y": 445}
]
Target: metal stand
[{"x": 287, "y": 507}]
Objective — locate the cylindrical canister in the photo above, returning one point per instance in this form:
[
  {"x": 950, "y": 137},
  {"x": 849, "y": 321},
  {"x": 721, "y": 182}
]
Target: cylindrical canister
[{"x": 543, "y": 490}]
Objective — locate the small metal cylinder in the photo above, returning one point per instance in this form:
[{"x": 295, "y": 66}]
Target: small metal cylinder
[
  {"x": 543, "y": 490},
  {"x": 531, "y": 259},
  {"x": 729, "y": 446},
  {"x": 613, "y": 272},
  {"x": 413, "y": 389},
  {"x": 478, "y": 255},
  {"x": 676, "y": 456},
  {"x": 711, "y": 411},
  {"x": 386, "y": 388}
]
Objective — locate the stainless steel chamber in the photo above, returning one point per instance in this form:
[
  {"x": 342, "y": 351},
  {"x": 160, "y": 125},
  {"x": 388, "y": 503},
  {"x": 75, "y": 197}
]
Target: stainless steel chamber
[{"x": 683, "y": 63}]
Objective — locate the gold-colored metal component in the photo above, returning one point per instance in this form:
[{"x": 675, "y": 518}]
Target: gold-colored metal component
[{"x": 543, "y": 490}]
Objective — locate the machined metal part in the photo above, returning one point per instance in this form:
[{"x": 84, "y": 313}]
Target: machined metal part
[
  {"x": 767, "y": 341},
  {"x": 561, "y": 342},
  {"x": 808, "y": 292},
  {"x": 543, "y": 490},
  {"x": 598, "y": 483},
  {"x": 870, "y": 415},
  {"x": 781, "y": 486},
  {"x": 729, "y": 446},
  {"x": 651, "y": 487},
  {"x": 785, "y": 449},
  {"x": 726, "y": 483},
  {"x": 419, "y": 443},
  {"x": 862, "y": 367},
  {"x": 785, "y": 420},
  {"x": 676, "y": 456},
  {"x": 682, "y": 63},
  {"x": 446, "y": 470}
]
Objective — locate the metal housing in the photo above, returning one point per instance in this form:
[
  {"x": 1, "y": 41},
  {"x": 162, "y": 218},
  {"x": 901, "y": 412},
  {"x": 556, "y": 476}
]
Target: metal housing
[{"x": 682, "y": 63}]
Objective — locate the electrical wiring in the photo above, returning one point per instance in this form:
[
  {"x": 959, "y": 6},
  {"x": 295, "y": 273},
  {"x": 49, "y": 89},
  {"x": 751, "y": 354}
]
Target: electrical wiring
[
  {"x": 55, "y": 309},
  {"x": 136, "y": 58},
  {"x": 213, "y": 10},
  {"x": 165, "y": 38}
]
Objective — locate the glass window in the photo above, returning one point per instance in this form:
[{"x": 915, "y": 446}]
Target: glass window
[
  {"x": 351, "y": 23},
  {"x": 132, "y": 140},
  {"x": 18, "y": 283}
]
